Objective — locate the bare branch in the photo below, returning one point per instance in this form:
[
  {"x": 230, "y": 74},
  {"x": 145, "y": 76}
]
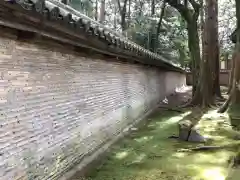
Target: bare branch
[
  {"x": 196, "y": 6},
  {"x": 184, "y": 11}
]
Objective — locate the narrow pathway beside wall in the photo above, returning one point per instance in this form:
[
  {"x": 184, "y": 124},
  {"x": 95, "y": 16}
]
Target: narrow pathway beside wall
[{"x": 147, "y": 153}]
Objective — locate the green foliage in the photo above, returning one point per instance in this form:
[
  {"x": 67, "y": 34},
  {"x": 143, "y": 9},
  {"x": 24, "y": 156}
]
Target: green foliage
[
  {"x": 175, "y": 40},
  {"x": 142, "y": 26},
  {"x": 83, "y": 6},
  {"x": 172, "y": 38}
]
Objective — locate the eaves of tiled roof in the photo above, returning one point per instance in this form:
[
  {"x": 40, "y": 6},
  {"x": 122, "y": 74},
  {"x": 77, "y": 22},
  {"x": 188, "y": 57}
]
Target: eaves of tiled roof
[{"x": 58, "y": 18}]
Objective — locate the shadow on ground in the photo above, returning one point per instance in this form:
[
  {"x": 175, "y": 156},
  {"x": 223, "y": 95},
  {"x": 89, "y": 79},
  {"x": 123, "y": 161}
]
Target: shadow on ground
[{"x": 148, "y": 154}]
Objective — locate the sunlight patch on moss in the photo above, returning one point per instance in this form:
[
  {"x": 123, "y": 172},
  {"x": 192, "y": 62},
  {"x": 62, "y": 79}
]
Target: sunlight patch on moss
[
  {"x": 150, "y": 155},
  {"x": 143, "y": 139},
  {"x": 214, "y": 174},
  {"x": 212, "y": 158},
  {"x": 179, "y": 154},
  {"x": 211, "y": 114},
  {"x": 121, "y": 155},
  {"x": 174, "y": 119},
  {"x": 140, "y": 158},
  {"x": 216, "y": 126}
]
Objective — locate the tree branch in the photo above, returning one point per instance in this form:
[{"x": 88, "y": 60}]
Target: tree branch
[
  {"x": 184, "y": 11},
  {"x": 119, "y": 6},
  {"x": 195, "y": 5}
]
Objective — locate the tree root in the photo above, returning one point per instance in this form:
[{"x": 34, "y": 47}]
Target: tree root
[
  {"x": 171, "y": 109},
  {"x": 213, "y": 106},
  {"x": 173, "y": 137},
  {"x": 202, "y": 148},
  {"x": 220, "y": 99},
  {"x": 225, "y": 105},
  {"x": 229, "y": 90},
  {"x": 188, "y": 104},
  {"x": 210, "y": 148}
]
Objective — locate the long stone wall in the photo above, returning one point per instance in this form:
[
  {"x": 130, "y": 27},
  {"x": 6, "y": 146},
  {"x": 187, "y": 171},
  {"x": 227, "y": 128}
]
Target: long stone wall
[
  {"x": 58, "y": 105},
  {"x": 224, "y": 76}
]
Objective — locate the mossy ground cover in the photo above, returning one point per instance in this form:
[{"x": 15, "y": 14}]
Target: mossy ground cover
[
  {"x": 234, "y": 113},
  {"x": 148, "y": 154},
  {"x": 234, "y": 116}
]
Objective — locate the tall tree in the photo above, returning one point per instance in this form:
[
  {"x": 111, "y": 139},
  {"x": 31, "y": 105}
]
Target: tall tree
[
  {"x": 191, "y": 17},
  {"x": 210, "y": 63},
  {"x": 234, "y": 97},
  {"x": 205, "y": 71},
  {"x": 231, "y": 75},
  {"x": 202, "y": 25},
  {"x": 96, "y": 10},
  {"x": 209, "y": 87},
  {"x": 153, "y": 7},
  {"x": 152, "y": 30},
  {"x": 129, "y": 12},
  {"x": 123, "y": 14},
  {"x": 115, "y": 14},
  {"x": 102, "y": 12},
  {"x": 216, "y": 56}
]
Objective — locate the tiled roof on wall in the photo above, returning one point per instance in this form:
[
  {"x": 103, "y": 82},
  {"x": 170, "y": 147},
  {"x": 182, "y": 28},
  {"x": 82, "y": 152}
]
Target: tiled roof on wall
[{"x": 54, "y": 10}]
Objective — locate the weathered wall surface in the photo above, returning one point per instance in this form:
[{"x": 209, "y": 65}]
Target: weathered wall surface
[
  {"x": 57, "y": 106},
  {"x": 223, "y": 78}
]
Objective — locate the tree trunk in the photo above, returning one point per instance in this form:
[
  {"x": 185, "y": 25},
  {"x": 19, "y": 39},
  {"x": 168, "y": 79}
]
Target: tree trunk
[
  {"x": 203, "y": 71},
  {"x": 129, "y": 12},
  {"x": 203, "y": 29},
  {"x": 194, "y": 48},
  {"x": 152, "y": 36},
  {"x": 123, "y": 13},
  {"x": 216, "y": 83},
  {"x": 236, "y": 79},
  {"x": 211, "y": 45},
  {"x": 102, "y": 12},
  {"x": 234, "y": 97},
  {"x": 236, "y": 76},
  {"x": 115, "y": 14},
  {"x": 208, "y": 78},
  {"x": 230, "y": 84},
  {"x": 202, "y": 24},
  {"x": 96, "y": 10},
  {"x": 191, "y": 18},
  {"x": 153, "y": 7}
]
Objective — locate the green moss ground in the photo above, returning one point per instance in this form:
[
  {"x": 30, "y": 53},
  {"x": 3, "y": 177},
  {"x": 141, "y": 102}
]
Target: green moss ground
[{"x": 148, "y": 154}]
